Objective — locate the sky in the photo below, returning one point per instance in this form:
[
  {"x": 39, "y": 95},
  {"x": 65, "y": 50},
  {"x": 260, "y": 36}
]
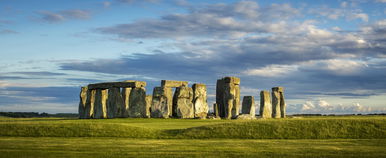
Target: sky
[{"x": 329, "y": 55}]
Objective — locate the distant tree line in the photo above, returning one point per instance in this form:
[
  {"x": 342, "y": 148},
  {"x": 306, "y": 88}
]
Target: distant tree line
[{"x": 35, "y": 114}]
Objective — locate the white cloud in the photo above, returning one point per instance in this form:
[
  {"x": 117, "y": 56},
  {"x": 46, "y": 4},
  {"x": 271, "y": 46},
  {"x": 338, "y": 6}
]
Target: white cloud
[
  {"x": 271, "y": 71},
  {"x": 336, "y": 66}
]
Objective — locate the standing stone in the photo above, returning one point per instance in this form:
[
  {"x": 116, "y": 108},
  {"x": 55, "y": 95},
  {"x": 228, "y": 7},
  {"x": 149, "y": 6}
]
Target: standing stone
[
  {"x": 114, "y": 103},
  {"x": 199, "y": 101},
  {"x": 276, "y": 103},
  {"x": 265, "y": 105},
  {"x": 148, "y": 105},
  {"x": 137, "y": 102},
  {"x": 182, "y": 103},
  {"x": 126, "y": 101},
  {"x": 228, "y": 97},
  {"x": 248, "y": 105},
  {"x": 282, "y": 102},
  {"x": 215, "y": 110},
  {"x": 220, "y": 97},
  {"x": 90, "y": 103},
  {"x": 100, "y": 107},
  {"x": 82, "y": 103},
  {"x": 159, "y": 106}
]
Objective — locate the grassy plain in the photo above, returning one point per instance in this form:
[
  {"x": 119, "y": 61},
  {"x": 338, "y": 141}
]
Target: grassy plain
[{"x": 339, "y": 136}]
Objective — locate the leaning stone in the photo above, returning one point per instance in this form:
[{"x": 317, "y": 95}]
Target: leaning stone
[
  {"x": 275, "y": 103},
  {"x": 159, "y": 106},
  {"x": 248, "y": 105},
  {"x": 114, "y": 103},
  {"x": 265, "y": 105},
  {"x": 245, "y": 117},
  {"x": 173, "y": 84},
  {"x": 137, "y": 103},
  {"x": 90, "y": 104},
  {"x": 182, "y": 103},
  {"x": 82, "y": 103},
  {"x": 126, "y": 101},
  {"x": 100, "y": 107},
  {"x": 199, "y": 101},
  {"x": 148, "y": 105}
]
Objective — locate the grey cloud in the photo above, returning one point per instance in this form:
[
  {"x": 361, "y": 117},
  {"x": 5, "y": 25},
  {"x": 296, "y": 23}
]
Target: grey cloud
[
  {"x": 7, "y": 31},
  {"x": 54, "y": 17},
  {"x": 38, "y": 73}
]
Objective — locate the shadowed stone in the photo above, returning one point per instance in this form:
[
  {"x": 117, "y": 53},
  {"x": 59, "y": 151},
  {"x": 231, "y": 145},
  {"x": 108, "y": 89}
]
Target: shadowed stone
[
  {"x": 125, "y": 84},
  {"x": 82, "y": 103},
  {"x": 149, "y": 99},
  {"x": 126, "y": 101},
  {"x": 182, "y": 103},
  {"x": 282, "y": 104},
  {"x": 276, "y": 103},
  {"x": 248, "y": 105},
  {"x": 173, "y": 84},
  {"x": 114, "y": 103},
  {"x": 137, "y": 102},
  {"x": 199, "y": 101},
  {"x": 159, "y": 107},
  {"x": 265, "y": 105},
  {"x": 100, "y": 107},
  {"x": 90, "y": 103},
  {"x": 228, "y": 97},
  {"x": 215, "y": 110}
]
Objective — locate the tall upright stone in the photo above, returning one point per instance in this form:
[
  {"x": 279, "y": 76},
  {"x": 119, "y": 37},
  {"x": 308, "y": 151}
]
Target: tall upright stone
[
  {"x": 169, "y": 84},
  {"x": 200, "y": 101},
  {"x": 126, "y": 101},
  {"x": 114, "y": 103},
  {"x": 90, "y": 103},
  {"x": 215, "y": 110},
  {"x": 228, "y": 97},
  {"x": 160, "y": 107},
  {"x": 281, "y": 101},
  {"x": 137, "y": 102},
  {"x": 182, "y": 102},
  {"x": 100, "y": 105},
  {"x": 248, "y": 105},
  {"x": 82, "y": 103},
  {"x": 276, "y": 111},
  {"x": 265, "y": 105},
  {"x": 149, "y": 99}
]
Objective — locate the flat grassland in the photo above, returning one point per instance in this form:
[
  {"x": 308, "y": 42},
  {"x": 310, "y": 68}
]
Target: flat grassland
[{"x": 339, "y": 136}]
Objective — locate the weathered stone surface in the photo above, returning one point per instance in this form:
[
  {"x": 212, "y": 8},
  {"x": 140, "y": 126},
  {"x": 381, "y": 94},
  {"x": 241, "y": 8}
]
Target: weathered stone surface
[
  {"x": 275, "y": 103},
  {"x": 125, "y": 84},
  {"x": 137, "y": 103},
  {"x": 279, "y": 89},
  {"x": 100, "y": 105},
  {"x": 200, "y": 101},
  {"x": 282, "y": 103},
  {"x": 246, "y": 117},
  {"x": 82, "y": 102},
  {"x": 160, "y": 107},
  {"x": 149, "y": 99},
  {"x": 90, "y": 102},
  {"x": 126, "y": 101},
  {"x": 220, "y": 97},
  {"x": 173, "y": 84},
  {"x": 115, "y": 103},
  {"x": 182, "y": 103},
  {"x": 215, "y": 110},
  {"x": 248, "y": 105},
  {"x": 228, "y": 97},
  {"x": 265, "y": 105},
  {"x": 233, "y": 80}
]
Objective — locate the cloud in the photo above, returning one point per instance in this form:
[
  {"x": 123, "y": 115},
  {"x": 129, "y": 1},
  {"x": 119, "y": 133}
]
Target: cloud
[
  {"x": 271, "y": 71},
  {"x": 7, "y": 31},
  {"x": 54, "y": 17}
]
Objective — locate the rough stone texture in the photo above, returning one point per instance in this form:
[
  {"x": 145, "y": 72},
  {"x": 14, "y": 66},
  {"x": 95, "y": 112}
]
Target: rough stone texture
[
  {"x": 126, "y": 101},
  {"x": 90, "y": 102},
  {"x": 265, "y": 105},
  {"x": 149, "y": 99},
  {"x": 82, "y": 103},
  {"x": 220, "y": 97},
  {"x": 137, "y": 103},
  {"x": 182, "y": 103},
  {"x": 275, "y": 103},
  {"x": 245, "y": 117},
  {"x": 100, "y": 107},
  {"x": 114, "y": 103},
  {"x": 173, "y": 84},
  {"x": 159, "y": 106},
  {"x": 228, "y": 97},
  {"x": 282, "y": 101},
  {"x": 200, "y": 101},
  {"x": 233, "y": 80},
  {"x": 248, "y": 105},
  {"x": 215, "y": 110},
  {"x": 125, "y": 84}
]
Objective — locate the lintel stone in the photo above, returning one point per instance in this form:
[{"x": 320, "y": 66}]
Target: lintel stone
[
  {"x": 124, "y": 84},
  {"x": 171, "y": 84}
]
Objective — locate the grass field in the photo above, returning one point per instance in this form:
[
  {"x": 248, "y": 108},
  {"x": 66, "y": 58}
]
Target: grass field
[{"x": 348, "y": 136}]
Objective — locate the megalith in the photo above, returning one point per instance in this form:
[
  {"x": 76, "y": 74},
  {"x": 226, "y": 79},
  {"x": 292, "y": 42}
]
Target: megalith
[
  {"x": 100, "y": 107},
  {"x": 114, "y": 103},
  {"x": 200, "y": 101},
  {"x": 248, "y": 105},
  {"x": 277, "y": 93},
  {"x": 149, "y": 99},
  {"x": 82, "y": 103},
  {"x": 182, "y": 102},
  {"x": 137, "y": 102},
  {"x": 169, "y": 84},
  {"x": 265, "y": 105},
  {"x": 215, "y": 110},
  {"x": 90, "y": 103},
  {"x": 160, "y": 106},
  {"x": 126, "y": 101},
  {"x": 228, "y": 97}
]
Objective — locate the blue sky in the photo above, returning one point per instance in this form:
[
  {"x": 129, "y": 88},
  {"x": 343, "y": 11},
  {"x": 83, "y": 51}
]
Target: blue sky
[{"x": 329, "y": 55}]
